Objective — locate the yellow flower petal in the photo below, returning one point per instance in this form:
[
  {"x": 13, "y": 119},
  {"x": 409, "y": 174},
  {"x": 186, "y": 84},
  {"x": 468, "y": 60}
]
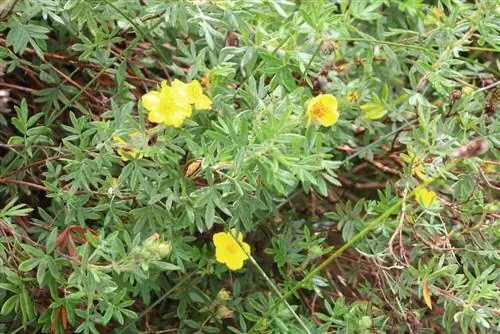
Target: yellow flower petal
[
  {"x": 156, "y": 117},
  {"x": 239, "y": 236},
  {"x": 467, "y": 90},
  {"x": 196, "y": 96},
  {"x": 151, "y": 101},
  {"x": 176, "y": 119},
  {"x": 425, "y": 197},
  {"x": 235, "y": 264},
  {"x": 323, "y": 109},
  {"x": 203, "y": 102},
  {"x": 119, "y": 139},
  {"x": 122, "y": 155},
  {"x": 228, "y": 251}
]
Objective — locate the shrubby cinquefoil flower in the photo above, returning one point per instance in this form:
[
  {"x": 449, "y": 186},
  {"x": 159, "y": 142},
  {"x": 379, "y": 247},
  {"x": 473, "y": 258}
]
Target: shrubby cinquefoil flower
[
  {"x": 228, "y": 251},
  {"x": 172, "y": 104},
  {"x": 323, "y": 109},
  {"x": 425, "y": 197}
]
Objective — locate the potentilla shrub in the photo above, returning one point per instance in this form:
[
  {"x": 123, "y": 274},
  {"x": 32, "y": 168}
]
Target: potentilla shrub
[{"x": 249, "y": 166}]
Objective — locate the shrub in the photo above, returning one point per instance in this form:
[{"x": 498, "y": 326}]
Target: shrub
[{"x": 249, "y": 166}]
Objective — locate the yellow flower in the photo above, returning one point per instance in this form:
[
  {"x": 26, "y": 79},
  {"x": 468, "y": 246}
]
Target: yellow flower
[
  {"x": 323, "y": 108},
  {"x": 373, "y": 111},
  {"x": 126, "y": 150},
  {"x": 417, "y": 167},
  {"x": 467, "y": 90},
  {"x": 437, "y": 12},
  {"x": 425, "y": 197},
  {"x": 489, "y": 168},
  {"x": 228, "y": 251},
  {"x": 352, "y": 96},
  {"x": 172, "y": 104},
  {"x": 194, "y": 94}
]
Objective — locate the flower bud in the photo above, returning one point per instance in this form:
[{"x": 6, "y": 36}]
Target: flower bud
[
  {"x": 223, "y": 312},
  {"x": 467, "y": 90},
  {"x": 328, "y": 47},
  {"x": 163, "y": 249},
  {"x": 223, "y": 295},
  {"x": 231, "y": 39},
  {"x": 456, "y": 95}
]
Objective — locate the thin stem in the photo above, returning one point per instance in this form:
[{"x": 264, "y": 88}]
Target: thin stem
[
  {"x": 310, "y": 61},
  {"x": 24, "y": 183},
  {"x": 376, "y": 41},
  {"x": 272, "y": 285},
  {"x": 487, "y": 87}
]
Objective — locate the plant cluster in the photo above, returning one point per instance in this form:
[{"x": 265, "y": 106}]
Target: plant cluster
[{"x": 264, "y": 166}]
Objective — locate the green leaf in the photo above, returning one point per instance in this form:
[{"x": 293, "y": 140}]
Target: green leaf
[
  {"x": 51, "y": 240},
  {"x": 166, "y": 266},
  {"x": 9, "y": 304},
  {"x": 209, "y": 215},
  {"x": 29, "y": 264},
  {"x": 373, "y": 111},
  {"x": 21, "y": 34}
]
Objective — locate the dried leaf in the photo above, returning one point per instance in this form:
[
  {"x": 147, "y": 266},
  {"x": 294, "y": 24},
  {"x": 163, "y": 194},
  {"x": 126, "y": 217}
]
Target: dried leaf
[
  {"x": 427, "y": 295},
  {"x": 193, "y": 167}
]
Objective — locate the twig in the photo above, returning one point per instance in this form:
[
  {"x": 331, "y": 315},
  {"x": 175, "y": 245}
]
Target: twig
[
  {"x": 37, "y": 186},
  {"x": 398, "y": 231},
  {"x": 486, "y": 179},
  {"x": 74, "y": 83},
  {"x": 21, "y": 88},
  {"x": 463, "y": 302},
  {"x": 24, "y": 183},
  {"x": 383, "y": 167},
  {"x": 35, "y": 164}
]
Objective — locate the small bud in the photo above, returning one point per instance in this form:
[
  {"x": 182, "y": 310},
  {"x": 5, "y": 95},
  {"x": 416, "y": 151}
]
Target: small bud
[
  {"x": 223, "y": 312},
  {"x": 205, "y": 80},
  {"x": 352, "y": 96},
  {"x": 358, "y": 61},
  {"x": 456, "y": 95},
  {"x": 151, "y": 239},
  {"x": 315, "y": 251},
  {"x": 4, "y": 98},
  {"x": 231, "y": 39},
  {"x": 223, "y": 295},
  {"x": 438, "y": 103},
  {"x": 467, "y": 90},
  {"x": 341, "y": 66},
  {"x": 163, "y": 249},
  {"x": 328, "y": 47},
  {"x": 150, "y": 243}
]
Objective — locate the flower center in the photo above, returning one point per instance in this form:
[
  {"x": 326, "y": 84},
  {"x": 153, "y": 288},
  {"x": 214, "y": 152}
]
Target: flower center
[
  {"x": 232, "y": 247},
  {"x": 319, "y": 110}
]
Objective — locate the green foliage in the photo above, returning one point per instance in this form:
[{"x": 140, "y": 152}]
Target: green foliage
[{"x": 98, "y": 236}]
